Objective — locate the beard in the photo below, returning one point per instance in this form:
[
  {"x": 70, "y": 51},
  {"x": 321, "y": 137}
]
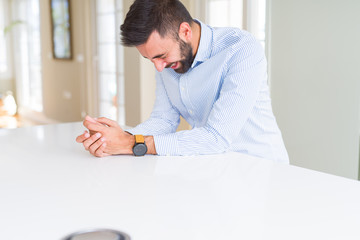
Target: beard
[
  {"x": 187, "y": 57},
  {"x": 186, "y": 52}
]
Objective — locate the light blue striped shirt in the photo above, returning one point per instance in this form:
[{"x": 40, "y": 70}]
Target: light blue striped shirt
[{"x": 224, "y": 96}]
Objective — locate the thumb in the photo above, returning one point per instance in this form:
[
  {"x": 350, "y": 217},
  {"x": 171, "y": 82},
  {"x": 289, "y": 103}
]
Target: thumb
[
  {"x": 109, "y": 122},
  {"x": 90, "y": 119}
]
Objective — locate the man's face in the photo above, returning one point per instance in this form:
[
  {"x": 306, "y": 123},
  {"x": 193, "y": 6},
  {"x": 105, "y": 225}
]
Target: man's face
[{"x": 167, "y": 53}]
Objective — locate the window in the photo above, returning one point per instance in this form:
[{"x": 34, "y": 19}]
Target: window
[
  {"x": 110, "y": 60},
  {"x": 255, "y": 20},
  {"x": 244, "y": 14},
  {"x": 4, "y": 41},
  {"x": 27, "y": 55},
  {"x": 225, "y": 13}
]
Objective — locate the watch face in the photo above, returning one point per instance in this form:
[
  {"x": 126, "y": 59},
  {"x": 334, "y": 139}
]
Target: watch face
[{"x": 140, "y": 149}]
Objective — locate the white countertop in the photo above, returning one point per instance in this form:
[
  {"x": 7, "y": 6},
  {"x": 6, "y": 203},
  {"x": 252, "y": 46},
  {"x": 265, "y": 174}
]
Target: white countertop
[{"x": 50, "y": 187}]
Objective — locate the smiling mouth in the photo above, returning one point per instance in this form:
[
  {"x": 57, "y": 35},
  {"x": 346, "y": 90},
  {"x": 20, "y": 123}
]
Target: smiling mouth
[{"x": 173, "y": 65}]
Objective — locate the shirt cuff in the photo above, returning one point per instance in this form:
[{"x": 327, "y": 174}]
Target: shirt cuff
[{"x": 166, "y": 145}]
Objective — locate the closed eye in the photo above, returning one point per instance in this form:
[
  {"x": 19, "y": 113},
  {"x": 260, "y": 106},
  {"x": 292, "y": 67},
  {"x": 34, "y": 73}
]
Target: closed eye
[{"x": 161, "y": 56}]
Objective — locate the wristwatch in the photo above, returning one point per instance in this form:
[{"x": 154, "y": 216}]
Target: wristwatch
[{"x": 139, "y": 148}]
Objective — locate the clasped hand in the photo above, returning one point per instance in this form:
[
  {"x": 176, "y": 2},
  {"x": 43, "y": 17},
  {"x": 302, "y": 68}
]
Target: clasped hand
[{"x": 105, "y": 137}]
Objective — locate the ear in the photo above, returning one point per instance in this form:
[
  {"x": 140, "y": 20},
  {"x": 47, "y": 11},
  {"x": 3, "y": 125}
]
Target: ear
[{"x": 185, "y": 31}]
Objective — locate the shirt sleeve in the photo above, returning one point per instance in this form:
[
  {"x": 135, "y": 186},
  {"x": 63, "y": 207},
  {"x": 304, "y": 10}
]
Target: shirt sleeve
[
  {"x": 164, "y": 117},
  {"x": 238, "y": 95}
]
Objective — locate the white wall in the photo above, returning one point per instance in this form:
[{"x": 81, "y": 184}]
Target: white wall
[
  {"x": 64, "y": 81},
  {"x": 315, "y": 81}
]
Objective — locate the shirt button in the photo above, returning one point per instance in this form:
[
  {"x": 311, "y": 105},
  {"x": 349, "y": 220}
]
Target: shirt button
[
  {"x": 182, "y": 88},
  {"x": 190, "y": 111}
]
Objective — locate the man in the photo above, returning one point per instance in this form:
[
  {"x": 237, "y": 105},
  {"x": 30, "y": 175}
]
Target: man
[{"x": 215, "y": 78}]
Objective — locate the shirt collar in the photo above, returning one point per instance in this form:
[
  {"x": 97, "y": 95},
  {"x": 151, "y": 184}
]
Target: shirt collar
[{"x": 205, "y": 44}]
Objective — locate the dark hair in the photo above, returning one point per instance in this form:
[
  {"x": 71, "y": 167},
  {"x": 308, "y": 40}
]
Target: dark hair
[{"x": 145, "y": 16}]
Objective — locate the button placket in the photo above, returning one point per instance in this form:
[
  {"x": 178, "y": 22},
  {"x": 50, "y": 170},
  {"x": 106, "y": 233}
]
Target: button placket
[{"x": 183, "y": 93}]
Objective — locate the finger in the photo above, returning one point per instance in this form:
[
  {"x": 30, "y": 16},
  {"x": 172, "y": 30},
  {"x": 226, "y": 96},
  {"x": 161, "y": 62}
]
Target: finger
[
  {"x": 100, "y": 152},
  {"x": 82, "y": 137},
  {"x": 90, "y": 119},
  {"x": 108, "y": 122},
  {"x": 96, "y": 145},
  {"x": 96, "y": 127},
  {"x": 91, "y": 140},
  {"x": 92, "y": 132}
]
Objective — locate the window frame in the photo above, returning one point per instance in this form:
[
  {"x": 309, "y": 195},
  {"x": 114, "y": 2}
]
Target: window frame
[
  {"x": 119, "y": 114},
  {"x": 8, "y": 73}
]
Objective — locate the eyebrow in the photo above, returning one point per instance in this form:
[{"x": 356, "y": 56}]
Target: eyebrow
[{"x": 157, "y": 56}]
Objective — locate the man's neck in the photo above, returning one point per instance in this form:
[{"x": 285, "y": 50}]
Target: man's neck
[{"x": 196, "y": 34}]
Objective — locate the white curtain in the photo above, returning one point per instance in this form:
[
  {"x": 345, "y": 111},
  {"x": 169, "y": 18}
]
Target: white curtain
[{"x": 26, "y": 52}]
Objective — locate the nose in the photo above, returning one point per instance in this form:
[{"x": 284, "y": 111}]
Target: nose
[{"x": 160, "y": 64}]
